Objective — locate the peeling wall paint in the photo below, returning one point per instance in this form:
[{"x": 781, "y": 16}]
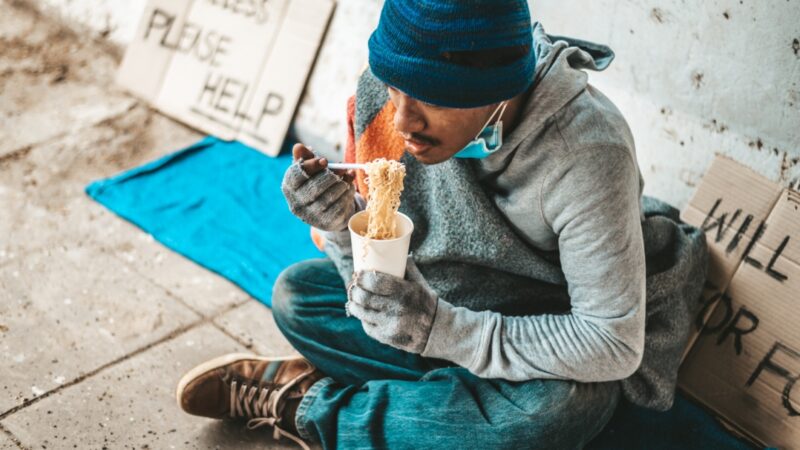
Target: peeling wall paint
[
  {"x": 693, "y": 78},
  {"x": 115, "y": 20},
  {"x": 697, "y": 78}
]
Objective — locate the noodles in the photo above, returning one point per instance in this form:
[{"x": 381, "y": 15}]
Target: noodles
[{"x": 385, "y": 183}]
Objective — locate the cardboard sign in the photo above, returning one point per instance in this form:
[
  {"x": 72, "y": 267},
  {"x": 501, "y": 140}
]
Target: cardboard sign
[
  {"x": 745, "y": 358},
  {"x": 232, "y": 68}
]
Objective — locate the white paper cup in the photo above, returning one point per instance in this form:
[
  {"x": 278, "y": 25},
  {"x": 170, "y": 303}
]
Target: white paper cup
[{"x": 383, "y": 255}]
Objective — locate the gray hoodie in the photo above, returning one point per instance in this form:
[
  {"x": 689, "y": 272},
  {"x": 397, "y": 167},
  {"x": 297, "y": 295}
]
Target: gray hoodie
[
  {"x": 567, "y": 182},
  {"x": 541, "y": 254}
]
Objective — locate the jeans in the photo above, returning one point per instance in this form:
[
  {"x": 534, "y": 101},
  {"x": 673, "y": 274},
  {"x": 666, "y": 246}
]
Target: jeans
[{"x": 376, "y": 396}]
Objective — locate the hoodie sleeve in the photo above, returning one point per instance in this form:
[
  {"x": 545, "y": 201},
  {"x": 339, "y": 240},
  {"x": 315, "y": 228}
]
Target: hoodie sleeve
[
  {"x": 337, "y": 247},
  {"x": 591, "y": 200}
]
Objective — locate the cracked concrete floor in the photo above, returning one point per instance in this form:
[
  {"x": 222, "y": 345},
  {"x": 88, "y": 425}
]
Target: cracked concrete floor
[{"x": 97, "y": 320}]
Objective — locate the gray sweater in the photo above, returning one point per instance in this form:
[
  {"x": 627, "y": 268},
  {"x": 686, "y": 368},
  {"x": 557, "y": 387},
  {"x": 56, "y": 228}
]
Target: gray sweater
[{"x": 538, "y": 252}]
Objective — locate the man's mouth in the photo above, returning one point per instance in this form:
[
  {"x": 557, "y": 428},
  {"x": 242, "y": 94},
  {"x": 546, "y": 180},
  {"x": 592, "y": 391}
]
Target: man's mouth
[{"x": 417, "y": 147}]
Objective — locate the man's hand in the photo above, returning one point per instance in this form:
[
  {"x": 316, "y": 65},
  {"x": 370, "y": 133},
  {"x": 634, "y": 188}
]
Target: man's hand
[
  {"x": 395, "y": 311},
  {"x": 320, "y": 197}
]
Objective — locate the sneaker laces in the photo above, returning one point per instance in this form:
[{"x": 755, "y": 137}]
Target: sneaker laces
[{"x": 263, "y": 405}]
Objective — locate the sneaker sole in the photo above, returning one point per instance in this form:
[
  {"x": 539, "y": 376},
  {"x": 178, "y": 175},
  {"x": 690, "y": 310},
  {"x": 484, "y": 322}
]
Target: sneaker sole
[{"x": 222, "y": 361}]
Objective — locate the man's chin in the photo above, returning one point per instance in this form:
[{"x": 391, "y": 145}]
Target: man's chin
[{"x": 428, "y": 157}]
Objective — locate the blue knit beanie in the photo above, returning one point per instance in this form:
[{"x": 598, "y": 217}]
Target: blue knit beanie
[{"x": 406, "y": 50}]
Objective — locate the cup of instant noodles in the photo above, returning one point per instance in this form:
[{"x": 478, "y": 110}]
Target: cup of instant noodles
[{"x": 382, "y": 255}]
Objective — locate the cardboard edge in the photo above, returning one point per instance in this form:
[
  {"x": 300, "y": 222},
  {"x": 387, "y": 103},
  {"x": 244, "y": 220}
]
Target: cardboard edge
[
  {"x": 719, "y": 417},
  {"x": 274, "y": 151}
]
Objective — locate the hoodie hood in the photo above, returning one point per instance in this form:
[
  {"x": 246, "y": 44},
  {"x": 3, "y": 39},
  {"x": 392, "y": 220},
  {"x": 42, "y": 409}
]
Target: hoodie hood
[{"x": 559, "y": 77}]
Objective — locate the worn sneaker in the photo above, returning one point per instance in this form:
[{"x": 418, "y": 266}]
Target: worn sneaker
[{"x": 252, "y": 387}]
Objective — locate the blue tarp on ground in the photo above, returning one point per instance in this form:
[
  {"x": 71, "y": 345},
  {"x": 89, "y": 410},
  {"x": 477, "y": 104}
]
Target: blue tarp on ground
[{"x": 219, "y": 204}]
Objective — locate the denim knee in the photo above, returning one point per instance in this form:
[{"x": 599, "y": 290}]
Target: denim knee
[
  {"x": 300, "y": 286},
  {"x": 287, "y": 289}
]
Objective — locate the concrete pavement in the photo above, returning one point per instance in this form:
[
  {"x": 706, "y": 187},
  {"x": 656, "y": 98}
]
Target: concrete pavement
[{"x": 97, "y": 320}]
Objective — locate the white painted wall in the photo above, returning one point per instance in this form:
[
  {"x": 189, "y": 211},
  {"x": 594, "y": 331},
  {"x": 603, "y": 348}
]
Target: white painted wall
[{"x": 693, "y": 77}]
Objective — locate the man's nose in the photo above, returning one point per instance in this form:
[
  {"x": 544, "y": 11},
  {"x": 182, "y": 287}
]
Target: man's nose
[{"x": 407, "y": 119}]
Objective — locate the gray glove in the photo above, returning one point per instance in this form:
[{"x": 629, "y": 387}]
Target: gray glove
[
  {"x": 323, "y": 200},
  {"x": 395, "y": 311}
]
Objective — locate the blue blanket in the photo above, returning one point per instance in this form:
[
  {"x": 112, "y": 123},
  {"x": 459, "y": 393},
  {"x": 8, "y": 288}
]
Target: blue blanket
[{"x": 219, "y": 204}]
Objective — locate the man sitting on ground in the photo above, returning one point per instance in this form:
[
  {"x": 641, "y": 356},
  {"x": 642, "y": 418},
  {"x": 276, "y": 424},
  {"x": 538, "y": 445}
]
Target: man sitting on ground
[{"x": 536, "y": 261}]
